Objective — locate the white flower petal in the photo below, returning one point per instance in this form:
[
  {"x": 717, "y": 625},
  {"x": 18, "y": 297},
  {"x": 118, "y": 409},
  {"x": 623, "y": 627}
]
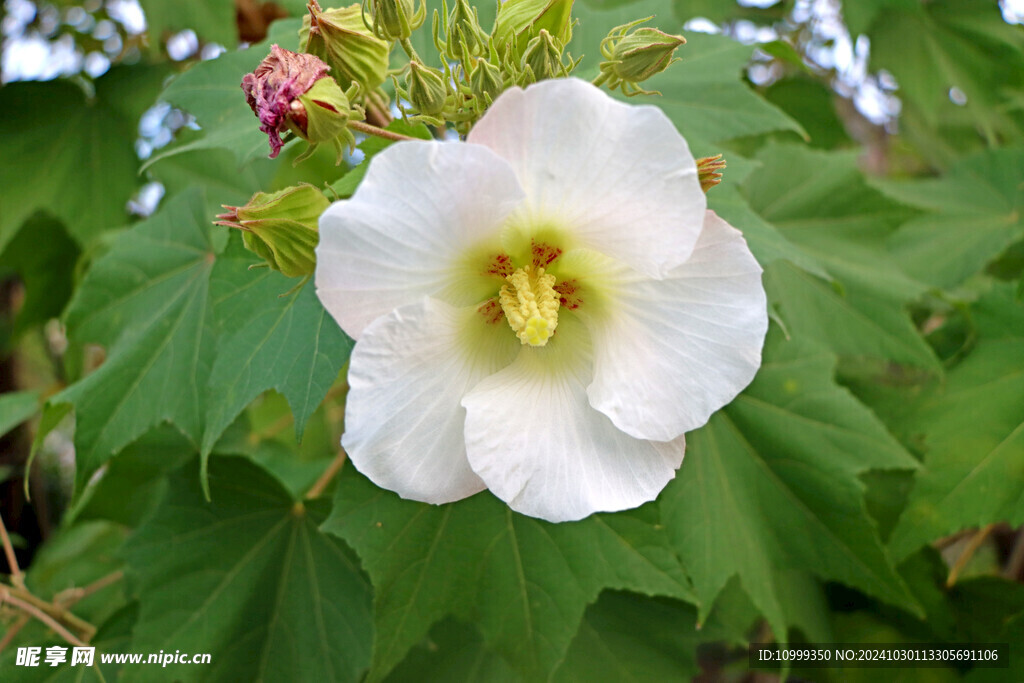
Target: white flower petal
[
  {"x": 618, "y": 176},
  {"x": 669, "y": 353},
  {"x": 406, "y": 232},
  {"x": 408, "y": 373},
  {"x": 539, "y": 446}
]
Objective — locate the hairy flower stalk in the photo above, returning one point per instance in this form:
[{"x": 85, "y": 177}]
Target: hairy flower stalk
[{"x": 543, "y": 310}]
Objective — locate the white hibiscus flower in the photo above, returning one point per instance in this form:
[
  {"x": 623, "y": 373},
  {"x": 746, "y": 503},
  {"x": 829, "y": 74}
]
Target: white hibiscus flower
[{"x": 542, "y": 310}]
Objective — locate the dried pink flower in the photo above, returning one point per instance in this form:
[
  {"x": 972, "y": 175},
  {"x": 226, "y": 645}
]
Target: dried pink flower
[{"x": 275, "y": 84}]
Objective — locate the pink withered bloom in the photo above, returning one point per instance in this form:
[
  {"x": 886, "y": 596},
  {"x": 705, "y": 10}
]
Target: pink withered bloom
[{"x": 273, "y": 89}]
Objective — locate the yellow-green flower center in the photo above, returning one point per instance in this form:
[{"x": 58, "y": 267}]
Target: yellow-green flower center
[{"x": 530, "y": 304}]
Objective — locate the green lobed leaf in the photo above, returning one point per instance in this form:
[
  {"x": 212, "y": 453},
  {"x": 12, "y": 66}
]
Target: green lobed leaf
[
  {"x": 191, "y": 337},
  {"x": 146, "y": 301},
  {"x": 991, "y": 610},
  {"x": 217, "y": 171},
  {"x": 212, "y": 20},
  {"x": 268, "y": 340},
  {"x": 821, "y": 202},
  {"x": 771, "y": 484},
  {"x": 975, "y": 212},
  {"x": 15, "y": 408},
  {"x": 933, "y": 47},
  {"x": 297, "y": 466},
  {"x": 813, "y": 104},
  {"x": 626, "y": 637},
  {"x": 980, "y": 610},
  {"x": 44, "y": 257},
  {"x": 133, "y": 482},
  {"x": 859, "y": 15},
  {"x": 66, "y": 154},
  {"x": 249, "y": 578},
  {"x": 453, "y": 651},
  {"x": 720, "y": 11},
  {"x": 973, "y": 433},
  {"x": 704, "y": 93},
  {"x": 866, "y": 629},
  {"x": 524, "y": 582},
  {"x": 622, "y": 637},
  {"x": 764, "y": 239},
  {"x": 51, "y": 417},
  {"x": 706, "y": 98},
  {"x": 845, "y": 320}
]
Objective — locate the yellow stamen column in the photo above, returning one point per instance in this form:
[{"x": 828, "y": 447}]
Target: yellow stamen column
[{"x": 530, "y": 304}]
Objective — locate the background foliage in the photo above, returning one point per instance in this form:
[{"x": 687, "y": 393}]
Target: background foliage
[{"x": 865, "y": 488}]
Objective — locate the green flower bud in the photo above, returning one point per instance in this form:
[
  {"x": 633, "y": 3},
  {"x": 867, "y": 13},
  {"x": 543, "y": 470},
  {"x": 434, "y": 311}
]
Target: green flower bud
[
  {"x": 635, "y": 57},
  {"x": 427, "y": 89},
  {"x": 281, "y": 227},
  {"x": 542, "y": 59},
  {"x": 462, "y": 30},
  {"x": 395, "y": 19},
  {"x": 520, "y": 21},
  {"x": 340, "y": 38},
  {"x": 485, "y": 81},
  {"x": 321, "y": 114}
]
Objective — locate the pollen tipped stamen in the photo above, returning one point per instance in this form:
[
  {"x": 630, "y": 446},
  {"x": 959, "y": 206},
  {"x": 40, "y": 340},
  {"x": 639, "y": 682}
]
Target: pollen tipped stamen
[{"x": 530, "y": 303}]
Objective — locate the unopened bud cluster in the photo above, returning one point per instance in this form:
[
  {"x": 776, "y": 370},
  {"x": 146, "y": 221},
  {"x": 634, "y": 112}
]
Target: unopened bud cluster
[
  {"x": 294, "y": 94},
  {"x": 336, "y": 82},
  {"x": 526, "y": 44}
]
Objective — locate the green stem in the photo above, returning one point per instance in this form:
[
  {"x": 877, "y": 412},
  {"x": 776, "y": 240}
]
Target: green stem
[
  {"x": 367, "y": 129},
  {"x": 409, "y": 49}
]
